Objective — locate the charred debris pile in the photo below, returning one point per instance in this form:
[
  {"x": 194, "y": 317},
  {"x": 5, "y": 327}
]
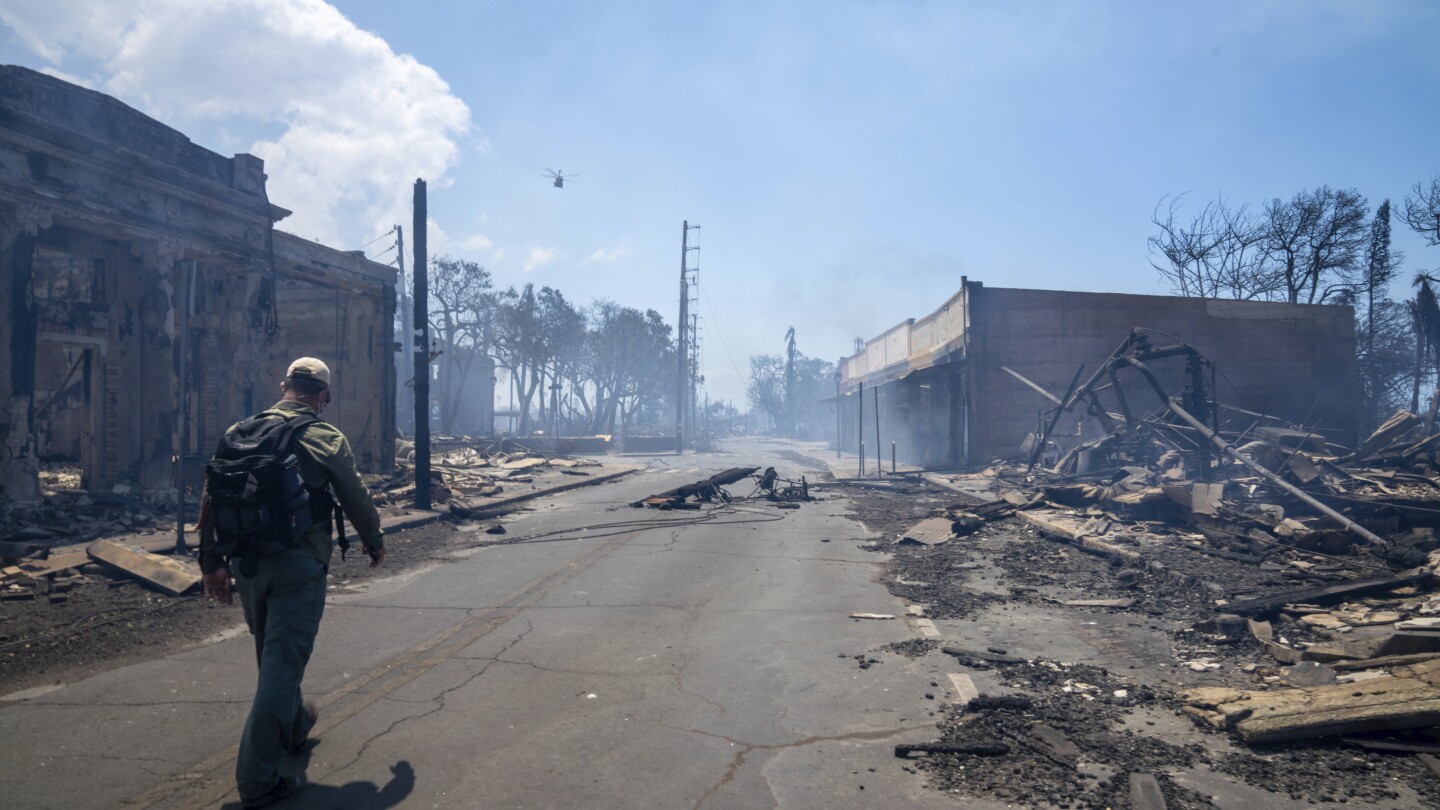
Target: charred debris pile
[
  {"x": 73, "y": 535},
  {"x": 783, "y": 492},
  {"x": 1317, "y": 562},
  {"x": 465, "y": 471}
]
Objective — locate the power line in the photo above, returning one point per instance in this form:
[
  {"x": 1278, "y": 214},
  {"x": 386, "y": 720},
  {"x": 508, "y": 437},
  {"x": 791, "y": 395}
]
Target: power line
[
  {"x": 384, "y": 235},
  {"x": 740, "y": 378}
]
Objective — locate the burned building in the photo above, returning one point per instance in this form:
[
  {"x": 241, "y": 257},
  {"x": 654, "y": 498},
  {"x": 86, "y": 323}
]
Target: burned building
[
  {"x": 150, "y": 302},
  {"x": 959, "y": 386}
]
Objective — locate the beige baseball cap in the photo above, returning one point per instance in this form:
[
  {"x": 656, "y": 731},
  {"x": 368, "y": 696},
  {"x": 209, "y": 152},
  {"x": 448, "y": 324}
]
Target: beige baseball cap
[{"x": 310, "y": 367}]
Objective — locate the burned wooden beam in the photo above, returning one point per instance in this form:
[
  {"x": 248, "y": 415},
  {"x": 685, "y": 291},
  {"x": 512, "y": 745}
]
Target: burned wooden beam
[{"x": 1328, "y": 594}]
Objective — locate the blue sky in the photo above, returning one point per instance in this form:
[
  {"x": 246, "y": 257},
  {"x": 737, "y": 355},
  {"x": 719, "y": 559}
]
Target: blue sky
[{"x": 848, "y": 161}]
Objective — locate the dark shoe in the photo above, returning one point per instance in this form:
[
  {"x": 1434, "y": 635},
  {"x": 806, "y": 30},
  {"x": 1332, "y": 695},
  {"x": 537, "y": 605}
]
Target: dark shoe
[
  {"x": 312, "y": 715},
  {"x": 284, "y": 789}
]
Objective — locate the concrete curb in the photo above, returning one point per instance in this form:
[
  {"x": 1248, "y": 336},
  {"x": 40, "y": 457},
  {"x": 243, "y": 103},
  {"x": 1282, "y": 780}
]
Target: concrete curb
[
  {"x": 402, "y": 522},
  {"x": 157, "y": 543}
]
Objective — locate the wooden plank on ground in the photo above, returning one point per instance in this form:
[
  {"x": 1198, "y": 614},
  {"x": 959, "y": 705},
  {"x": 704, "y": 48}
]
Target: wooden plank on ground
[
  {"x": 1384, "y": 661},
  {"x": 1380, "y": 704},
  {"x": 167, "y": 574},
  {"x": 1054, "y": 523},
  {"x": 930, "y": 532},
  {"x": 1328, "y": 594},
  {"x": 55, "y": 564}
]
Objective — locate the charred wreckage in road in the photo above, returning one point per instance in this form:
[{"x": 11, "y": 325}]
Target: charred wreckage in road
[{"x": 1304, "y": 577}]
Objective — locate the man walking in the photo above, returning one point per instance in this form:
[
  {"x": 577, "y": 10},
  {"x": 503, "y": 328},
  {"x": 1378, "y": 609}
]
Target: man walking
[{"x": 283, "y": 592}]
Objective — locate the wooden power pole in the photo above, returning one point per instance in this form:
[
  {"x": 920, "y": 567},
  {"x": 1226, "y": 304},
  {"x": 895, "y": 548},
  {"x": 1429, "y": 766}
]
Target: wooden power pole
[
  {"x": 683, "y": 387},
  {"x": 422, "y": 352}
]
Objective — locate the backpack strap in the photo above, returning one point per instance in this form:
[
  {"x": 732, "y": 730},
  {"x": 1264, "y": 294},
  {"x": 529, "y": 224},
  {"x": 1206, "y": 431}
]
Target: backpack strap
[{"x": 293, "y": 426}]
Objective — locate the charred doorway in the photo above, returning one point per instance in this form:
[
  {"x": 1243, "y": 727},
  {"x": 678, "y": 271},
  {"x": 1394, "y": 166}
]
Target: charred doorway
[{"x": 71, "y": 342}]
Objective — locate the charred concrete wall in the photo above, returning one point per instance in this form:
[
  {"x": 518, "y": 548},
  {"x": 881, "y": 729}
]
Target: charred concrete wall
[
  {"x": 340, "y": 308},
  {"x": 945, "y": 400},
  {"x": 1294, "y": 361},
  {"x": 140, "y": 275}
]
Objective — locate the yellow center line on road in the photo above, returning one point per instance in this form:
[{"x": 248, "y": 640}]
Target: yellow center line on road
[{"x": 205, "y": 785}]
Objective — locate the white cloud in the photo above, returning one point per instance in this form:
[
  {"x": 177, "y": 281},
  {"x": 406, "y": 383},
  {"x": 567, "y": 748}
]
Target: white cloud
[
  {"x": 348, "y": 123},
  {"x": 479, "y": 243},
  {"x": 609, "y": 255},
  {"x": 538, "y": 257}
]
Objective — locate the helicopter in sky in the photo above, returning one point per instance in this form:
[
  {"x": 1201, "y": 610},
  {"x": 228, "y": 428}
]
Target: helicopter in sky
[{"x": 559, "y": 177}]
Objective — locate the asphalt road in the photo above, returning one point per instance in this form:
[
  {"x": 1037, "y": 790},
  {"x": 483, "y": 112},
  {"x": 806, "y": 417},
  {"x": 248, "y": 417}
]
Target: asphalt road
[{"x": 676, "y": 659}]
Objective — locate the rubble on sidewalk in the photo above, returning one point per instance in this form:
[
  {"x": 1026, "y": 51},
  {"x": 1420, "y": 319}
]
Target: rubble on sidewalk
[
  {"x": 462, "y": 471},
  {"x": 1303, "y": 576}
]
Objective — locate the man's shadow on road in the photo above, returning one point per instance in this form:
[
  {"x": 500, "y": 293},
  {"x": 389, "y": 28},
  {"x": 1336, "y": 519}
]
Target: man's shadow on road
[{"x": 358, "y": 795}]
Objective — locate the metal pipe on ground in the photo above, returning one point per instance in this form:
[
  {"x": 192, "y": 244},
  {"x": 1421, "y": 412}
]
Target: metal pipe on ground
[{"x": 1224, "y": 447}]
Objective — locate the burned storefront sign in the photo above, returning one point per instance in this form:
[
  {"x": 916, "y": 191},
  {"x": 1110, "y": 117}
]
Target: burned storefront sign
[{"x": 150, "y": 302}]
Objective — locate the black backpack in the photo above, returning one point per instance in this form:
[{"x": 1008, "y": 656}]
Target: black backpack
[{"x": 258, "y": 502}]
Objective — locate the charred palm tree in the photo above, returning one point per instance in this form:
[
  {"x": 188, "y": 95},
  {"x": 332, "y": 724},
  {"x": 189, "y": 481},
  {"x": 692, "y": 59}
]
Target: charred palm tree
[
  {"x": 790, "y": 409},
  {"x": 1425, "y": 320}
]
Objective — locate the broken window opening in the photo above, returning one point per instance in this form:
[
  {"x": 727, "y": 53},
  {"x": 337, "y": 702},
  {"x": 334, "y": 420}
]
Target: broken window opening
[{"x": 66, "y": 277}]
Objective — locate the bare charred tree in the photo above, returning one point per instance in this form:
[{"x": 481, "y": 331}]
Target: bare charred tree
[
  {"x": 1314, "y": 241},
  {"x": 1216, "y": 254},
  {"x": 628, "y": 360},
  {"x": 462, "y": 304},
  {"x": 790, "y": 403},
  {"x": 529, "y": 329},
  {"x": 1422, "y": 211},
  {"x": 766, "y": 386},
  {"x": 1425, "y": 321},
  {"x": 796, "y": 413}
]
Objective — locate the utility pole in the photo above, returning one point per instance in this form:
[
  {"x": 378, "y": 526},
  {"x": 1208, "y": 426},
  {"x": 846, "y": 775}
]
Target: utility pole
[
  {"x": 879, "y": 467},
  {"x": 692, "y": 425},
  {"x": 684, "y": 377},
  {"x": 860, "y": 420},
  {"x": 555, "y": 411},
  {"x": 422, "y": 353},
  {"x": 407, "y": 335}
]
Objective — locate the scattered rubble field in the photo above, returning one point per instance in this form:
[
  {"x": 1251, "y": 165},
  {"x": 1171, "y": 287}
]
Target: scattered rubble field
[
  {"x": 73, "y": 602},
  {"x": 1129, "y": 723},
  {"x": 108, "y": 619}
]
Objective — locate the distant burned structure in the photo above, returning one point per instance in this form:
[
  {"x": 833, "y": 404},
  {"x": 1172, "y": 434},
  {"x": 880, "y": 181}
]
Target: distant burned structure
[
  {"x": 950, "y": 384},
  {"x": 142, "y": 281}
]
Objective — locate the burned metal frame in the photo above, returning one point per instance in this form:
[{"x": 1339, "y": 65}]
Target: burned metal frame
[{"x": 1135, "y": 352}]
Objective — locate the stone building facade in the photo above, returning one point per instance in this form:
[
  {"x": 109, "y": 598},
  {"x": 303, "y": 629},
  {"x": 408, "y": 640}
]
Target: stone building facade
[{"x": 149, "y": 301}]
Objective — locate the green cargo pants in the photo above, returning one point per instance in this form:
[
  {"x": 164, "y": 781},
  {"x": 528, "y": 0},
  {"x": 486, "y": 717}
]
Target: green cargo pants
[{"x": 283, "y": 603}]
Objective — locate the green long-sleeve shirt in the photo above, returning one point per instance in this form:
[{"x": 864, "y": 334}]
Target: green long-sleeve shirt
[{"x": 326, "y": 460}]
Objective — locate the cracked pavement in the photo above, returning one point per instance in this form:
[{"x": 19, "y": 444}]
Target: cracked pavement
[{"x": 698, "y": 665}]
